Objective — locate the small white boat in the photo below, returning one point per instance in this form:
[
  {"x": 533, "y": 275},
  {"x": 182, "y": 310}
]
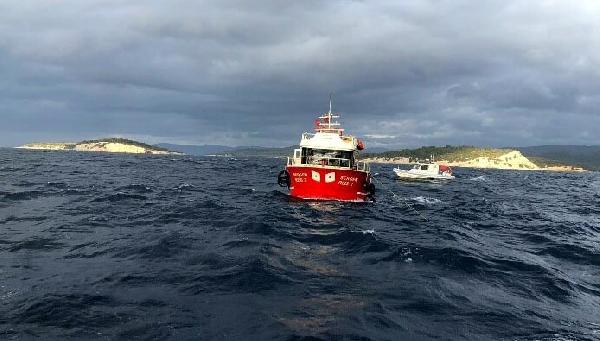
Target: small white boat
[{"x": 425, "y": 171}]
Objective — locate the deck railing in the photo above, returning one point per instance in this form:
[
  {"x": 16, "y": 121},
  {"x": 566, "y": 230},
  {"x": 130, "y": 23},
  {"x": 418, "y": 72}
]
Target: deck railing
[
  {"x": 307, "y": 136},
  {"x": 363, "y": 166},
  {"x": 332, "y": 161}
]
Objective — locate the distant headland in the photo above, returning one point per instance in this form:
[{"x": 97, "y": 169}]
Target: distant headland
[
  {"x": 456, "y": 156},
  {"x": 472, "y": 157},
  {"x": 109, "y": 145},
  {"x": 550, "y": 158}
]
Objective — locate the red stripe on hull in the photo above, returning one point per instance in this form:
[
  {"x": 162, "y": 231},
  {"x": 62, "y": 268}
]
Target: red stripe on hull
[{"x": 322, "y": 183}]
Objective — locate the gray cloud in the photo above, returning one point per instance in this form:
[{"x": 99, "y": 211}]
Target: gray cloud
[{"x": 239, "y": 72}]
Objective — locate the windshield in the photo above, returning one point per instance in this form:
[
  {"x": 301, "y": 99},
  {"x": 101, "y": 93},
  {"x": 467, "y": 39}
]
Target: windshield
[{"x": 327, "y": 157}]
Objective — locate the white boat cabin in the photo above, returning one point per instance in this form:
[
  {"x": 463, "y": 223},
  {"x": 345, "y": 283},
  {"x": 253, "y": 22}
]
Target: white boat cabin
[
  {"x": 432, "y": 168},
  {"x": 328, "y": 146}
]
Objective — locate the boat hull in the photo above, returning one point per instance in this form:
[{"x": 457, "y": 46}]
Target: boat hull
[
  {"x": 407, "y": 175},
  {"x": 329, "y": 183}
]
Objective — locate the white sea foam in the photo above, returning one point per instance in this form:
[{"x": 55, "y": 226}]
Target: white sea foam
[
  {"x": 368, "y": 231},
  {"x": 479, "y": 178},
  {"x": 185, "y": 185},
  {"x": 426, "y": 200}
]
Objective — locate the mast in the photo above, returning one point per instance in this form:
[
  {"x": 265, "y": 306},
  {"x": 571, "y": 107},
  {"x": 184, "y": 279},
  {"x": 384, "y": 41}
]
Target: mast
[{"x": 325, "y": 123}]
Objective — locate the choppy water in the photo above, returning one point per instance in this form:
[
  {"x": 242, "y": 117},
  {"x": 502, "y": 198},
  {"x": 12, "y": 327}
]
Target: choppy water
[{"x": 99, "y": 246}]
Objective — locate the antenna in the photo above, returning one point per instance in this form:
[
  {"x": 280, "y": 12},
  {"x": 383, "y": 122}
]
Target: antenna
[{"x": 329, "y": 120}]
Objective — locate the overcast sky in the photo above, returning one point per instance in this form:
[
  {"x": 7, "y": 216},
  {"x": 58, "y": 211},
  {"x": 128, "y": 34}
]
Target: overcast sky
[{"x": 404, "y": 73}]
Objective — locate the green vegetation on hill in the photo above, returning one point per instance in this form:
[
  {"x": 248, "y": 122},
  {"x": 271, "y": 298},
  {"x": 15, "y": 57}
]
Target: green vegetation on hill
[
  {"x": 67, "y": 146},
  {"x": 446, "y": 153},
  {"x": 543, "y": 162},
  {"x": 124, "y": 141}
]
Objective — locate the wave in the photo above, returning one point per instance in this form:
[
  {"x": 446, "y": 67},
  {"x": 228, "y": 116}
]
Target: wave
[
  {"x": 348, "y": 240},
  {"x": 479, "y": 178},
  {"x": 25, "y": 195},
  {"x": 120, "y": 196},
  {"x": 76, "y": 310},
  {"x": 166, "y": 247},
  {"x": 137, "y": 188},
  {"x": 426, "y": 200},
  {"x": 12, "y": 218},
  {"x": 572, "y": 253},
  {"x": 57, "y": 184},
  {"x": 185, "y": 186},
  {"x": 36, "y": 244},
  {"x": 248, "y": 276}
]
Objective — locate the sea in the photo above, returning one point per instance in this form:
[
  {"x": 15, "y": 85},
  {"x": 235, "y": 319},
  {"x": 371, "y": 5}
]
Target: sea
[{"x": 100, "y": 246}]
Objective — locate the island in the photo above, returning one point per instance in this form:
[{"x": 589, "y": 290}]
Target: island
[
  {"x": 110, "y": 145},
  {"x": 471, "y": 157}
]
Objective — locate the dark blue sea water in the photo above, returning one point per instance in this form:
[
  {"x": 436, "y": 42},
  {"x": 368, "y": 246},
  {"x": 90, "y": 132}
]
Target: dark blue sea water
[{"x": 106, "y": 246}]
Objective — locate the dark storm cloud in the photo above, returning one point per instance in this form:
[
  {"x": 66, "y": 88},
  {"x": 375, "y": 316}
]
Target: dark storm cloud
[{"x": 235, "y": 72}]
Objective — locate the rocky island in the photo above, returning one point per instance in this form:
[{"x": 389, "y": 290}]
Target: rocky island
[
  {"x": 110, "y": 145},
  {"x": 471, "y": 157}
]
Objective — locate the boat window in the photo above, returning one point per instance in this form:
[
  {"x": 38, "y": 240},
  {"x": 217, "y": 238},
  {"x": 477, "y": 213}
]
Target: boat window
[
  {"x": 304, "y": 157},
  {"x": 424, "y": 167},
  {"x": 327, "y": 157}
]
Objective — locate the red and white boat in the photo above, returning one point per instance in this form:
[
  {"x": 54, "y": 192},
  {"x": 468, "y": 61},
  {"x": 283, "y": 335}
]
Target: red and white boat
[{"x": 325, "y": 165}]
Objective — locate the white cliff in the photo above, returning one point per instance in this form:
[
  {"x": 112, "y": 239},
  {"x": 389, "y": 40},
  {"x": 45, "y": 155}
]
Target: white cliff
[{"x": 111, "y": 145}]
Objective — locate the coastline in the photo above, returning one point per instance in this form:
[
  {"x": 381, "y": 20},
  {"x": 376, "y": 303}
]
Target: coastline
[
  {"x": 461, "y": 165},
  {"x": 512, "y": 160},
  {"x": 98, "y": 146}
]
